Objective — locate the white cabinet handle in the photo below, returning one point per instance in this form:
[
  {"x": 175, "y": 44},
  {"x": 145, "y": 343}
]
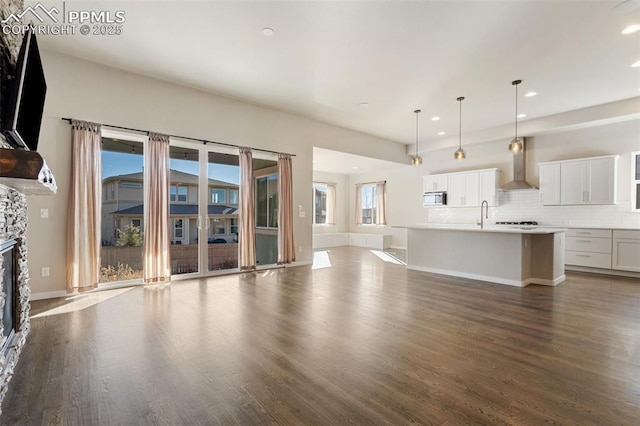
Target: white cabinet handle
[
  {"x": 583, "y": 241},
  {"x": 582, "y": 255},
  {"x": 583, "y": 232}
]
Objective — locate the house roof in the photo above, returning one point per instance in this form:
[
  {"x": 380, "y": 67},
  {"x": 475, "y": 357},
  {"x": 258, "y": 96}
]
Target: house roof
[
  {"x": 181, "y": 210},
  {"x": 176, "y": 177}
]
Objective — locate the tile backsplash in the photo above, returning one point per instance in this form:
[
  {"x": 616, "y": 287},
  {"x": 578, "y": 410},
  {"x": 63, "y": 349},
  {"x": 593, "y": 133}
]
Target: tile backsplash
[{"x": 525, "y": 205}]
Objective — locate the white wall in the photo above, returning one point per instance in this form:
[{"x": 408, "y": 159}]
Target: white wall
[
  {"x": 88, "y": 91},
  {"x": 404, "y": 185},
  {"x": 342, "y": 202}
]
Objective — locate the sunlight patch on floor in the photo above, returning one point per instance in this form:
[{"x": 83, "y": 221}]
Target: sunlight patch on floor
[
  {"x": 83, "y": 301},
  {"x": 321, "y": 260},
  {"x": 387, "y": 257}
]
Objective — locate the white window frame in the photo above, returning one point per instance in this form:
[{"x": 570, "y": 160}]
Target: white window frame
[
  {"x": 267, "y": 176},
  {"x": 177, "y": 194},
  {"x": 374, "y": 201},
  {"x": 316, "y": 185},
  {"x": 224, "y": 191}
]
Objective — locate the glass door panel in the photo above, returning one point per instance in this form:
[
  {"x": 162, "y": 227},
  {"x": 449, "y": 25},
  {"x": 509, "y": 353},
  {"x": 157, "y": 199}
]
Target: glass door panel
[
  {"x": 184, "y": 209},
  {"x": 122, "y": 210},
  {"x": 222, "y": 195},
  {"x": 266, "y": 205}
]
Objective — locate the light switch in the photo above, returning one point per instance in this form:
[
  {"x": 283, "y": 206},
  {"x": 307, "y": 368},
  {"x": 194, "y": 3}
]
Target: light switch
[
  {"x": 44, "y": 213},
  {"x": 45, "y": 271},
  {"x": 302, "y": 214}
]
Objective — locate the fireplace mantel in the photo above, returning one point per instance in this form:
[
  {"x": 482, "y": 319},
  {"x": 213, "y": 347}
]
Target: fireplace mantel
[{"x": 26, "y": 171}]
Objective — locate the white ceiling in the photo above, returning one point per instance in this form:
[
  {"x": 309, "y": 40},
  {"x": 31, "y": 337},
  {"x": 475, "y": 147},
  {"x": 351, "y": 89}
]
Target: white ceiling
[
  {"x": 326, "y": 160},
  {"x": 327, "y": 56}
]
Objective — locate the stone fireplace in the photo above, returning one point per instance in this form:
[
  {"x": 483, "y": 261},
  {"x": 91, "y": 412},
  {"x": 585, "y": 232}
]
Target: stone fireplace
[{"x": 13, "y": 239}]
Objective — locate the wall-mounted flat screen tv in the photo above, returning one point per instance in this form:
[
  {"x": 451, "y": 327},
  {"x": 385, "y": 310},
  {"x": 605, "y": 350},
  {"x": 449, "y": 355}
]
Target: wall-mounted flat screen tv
[{"x": 26, "y": 96}]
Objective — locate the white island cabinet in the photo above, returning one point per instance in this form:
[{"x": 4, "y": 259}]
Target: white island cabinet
[{"x": 515, "y": 256}]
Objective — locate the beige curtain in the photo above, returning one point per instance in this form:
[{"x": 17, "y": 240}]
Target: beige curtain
[
  {"x": 246, "y": 213},
  {"x": 85, "y": 204},
  {"x": 157, "y": 266},
  {"x": 381, "y": 208},
  {"x": 358, "y": 204},
  {"x": 331, "y": 204},
  {"x": 286, "y": 244}
]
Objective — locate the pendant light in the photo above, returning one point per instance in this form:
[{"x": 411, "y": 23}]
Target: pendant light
[
  {"x": 516, "y": 144},
  {"x": 416, "y": 160},
  {"x": 460, "y": 154}
]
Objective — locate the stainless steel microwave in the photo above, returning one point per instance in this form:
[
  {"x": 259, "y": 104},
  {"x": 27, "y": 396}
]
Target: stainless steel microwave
[{"x": 434, "y": 199}]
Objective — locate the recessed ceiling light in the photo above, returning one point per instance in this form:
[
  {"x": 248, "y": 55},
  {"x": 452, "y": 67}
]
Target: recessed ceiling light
[
  {"x": 521, "y": 115},
  {"x": 530, "y": 94},
  {"x": 363, "y": 104},
  {"x": 441, "y": 133},
  {"x": 435, "y": 118},
  {"x": 631, "y": 29},
  {"x": 268, "y": 31},
  {"x": 355, "y": 167},
  {"x": 636, "y": 64}
]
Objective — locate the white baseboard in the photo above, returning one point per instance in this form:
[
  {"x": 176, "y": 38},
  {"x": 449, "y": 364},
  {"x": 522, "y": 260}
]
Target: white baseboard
[
  {"x": 399, "y": 247},
  {"x": 615, "y": 272},
  {"x": 300, "y": 263},
  {"x": 48, "y": 295}
]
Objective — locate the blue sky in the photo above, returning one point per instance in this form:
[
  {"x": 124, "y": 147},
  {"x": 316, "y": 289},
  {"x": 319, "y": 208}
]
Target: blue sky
[{"x": 118, "y": 163}]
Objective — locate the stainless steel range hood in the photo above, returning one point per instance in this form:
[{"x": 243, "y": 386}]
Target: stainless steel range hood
[{"x": 519, "y": 171}]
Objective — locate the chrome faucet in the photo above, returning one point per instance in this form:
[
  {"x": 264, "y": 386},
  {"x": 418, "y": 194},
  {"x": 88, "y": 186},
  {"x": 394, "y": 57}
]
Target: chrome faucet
[{"x": 484, "y": 202}]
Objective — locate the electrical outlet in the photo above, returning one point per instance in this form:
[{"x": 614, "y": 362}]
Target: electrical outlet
[
  {"x": 302, "y": 214},
  {"x": 45, "y": 271},
  {"x": 44, "y": 213},
  {"x": 299, "y": 249}
]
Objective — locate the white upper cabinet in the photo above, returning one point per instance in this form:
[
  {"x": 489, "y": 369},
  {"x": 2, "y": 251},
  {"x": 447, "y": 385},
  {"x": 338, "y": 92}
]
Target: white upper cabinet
[
  {"x": 464, "y": 189},
  {"x": 589, "y": 181},
  {"x": 635, "y": 181},
  {"x": 580, "y": 181},
  {"x": 550, "y": 184},
  {"x": 489, "y": 181},
  {"x": 435, "y": 183}
]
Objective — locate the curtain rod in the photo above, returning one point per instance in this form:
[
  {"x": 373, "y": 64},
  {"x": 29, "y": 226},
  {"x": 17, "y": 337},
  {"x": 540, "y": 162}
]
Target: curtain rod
[
  {"x": 205, "y": 141},
  {"x": 368, "y": 183},
  {"x": 325, "y": 183}
]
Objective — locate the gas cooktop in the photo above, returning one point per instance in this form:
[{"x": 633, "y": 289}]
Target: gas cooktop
[{"x": 524, "y": 222}]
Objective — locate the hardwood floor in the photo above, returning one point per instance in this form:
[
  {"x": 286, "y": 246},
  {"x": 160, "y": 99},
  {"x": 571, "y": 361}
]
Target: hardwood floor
[{"x": 363, "y": 341}]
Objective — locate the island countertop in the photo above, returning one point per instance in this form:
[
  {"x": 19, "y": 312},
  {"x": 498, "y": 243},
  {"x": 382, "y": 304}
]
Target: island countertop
[{"x": 508, "y": 229}]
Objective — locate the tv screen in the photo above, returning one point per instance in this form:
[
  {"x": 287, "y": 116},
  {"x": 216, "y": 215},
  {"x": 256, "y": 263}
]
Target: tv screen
[{"x": 26, "y": 95}]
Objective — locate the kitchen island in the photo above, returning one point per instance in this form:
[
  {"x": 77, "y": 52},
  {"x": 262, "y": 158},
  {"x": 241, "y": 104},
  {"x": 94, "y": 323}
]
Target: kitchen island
[{"x": 518, "y": 255}]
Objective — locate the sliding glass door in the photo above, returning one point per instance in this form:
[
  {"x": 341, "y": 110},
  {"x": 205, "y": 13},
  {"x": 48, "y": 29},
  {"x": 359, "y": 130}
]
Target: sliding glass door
[
  {"x": 222, "y": 196},
  {"x": 184, "y": 208}
]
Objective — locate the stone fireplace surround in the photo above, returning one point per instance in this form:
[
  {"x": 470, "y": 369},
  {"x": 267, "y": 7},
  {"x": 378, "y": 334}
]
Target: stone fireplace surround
[{"x": 13, "y": 225}]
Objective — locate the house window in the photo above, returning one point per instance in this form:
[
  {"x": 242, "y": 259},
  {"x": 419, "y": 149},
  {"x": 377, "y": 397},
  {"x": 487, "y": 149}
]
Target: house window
[
  {"x": 131, "y": 185},
  {"x": 233, "y": 196},
  {"x": 113, "y": 191},
  {"x": 319, "y": 204},
  {"x": 369, "y": 201},
  {"x": 136, "y": 222},
  {"x": 178, "y": 193},
  {"x": 178, "y": 229},
  {"x": 218, "y": 226},
  {"x": 267, "y": 201},
  {"x": 234, "y": 226},
  {"x": 218, "y": 196}
]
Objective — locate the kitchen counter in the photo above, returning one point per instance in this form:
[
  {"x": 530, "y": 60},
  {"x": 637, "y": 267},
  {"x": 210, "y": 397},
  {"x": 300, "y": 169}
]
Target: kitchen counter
[
  {"x": 511, "y": 255},
  {"x": 508, "y": 229}
]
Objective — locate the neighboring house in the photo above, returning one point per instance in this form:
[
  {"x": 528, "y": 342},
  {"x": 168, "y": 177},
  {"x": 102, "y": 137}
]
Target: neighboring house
[{"x": 122, "y": 204}]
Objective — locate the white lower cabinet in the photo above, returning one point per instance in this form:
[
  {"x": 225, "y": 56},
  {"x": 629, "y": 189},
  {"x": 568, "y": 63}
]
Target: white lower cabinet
[
  {"x": 588, "y": 247},
  {"x": 626, "y": 250}
]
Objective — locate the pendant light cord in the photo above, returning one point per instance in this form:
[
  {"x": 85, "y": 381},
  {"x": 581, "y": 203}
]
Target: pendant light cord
[
  {"x": 516, "y": 84},
  {"x": 417, "y": 112},
  {"x": 460, "y": 125}
]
